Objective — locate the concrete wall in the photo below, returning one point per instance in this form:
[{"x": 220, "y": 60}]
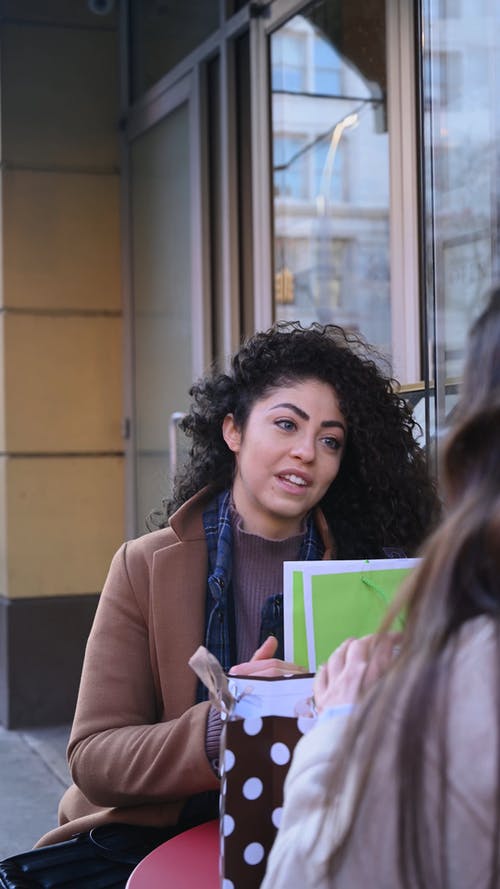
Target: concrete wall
[{"x": 61, "y": 452}]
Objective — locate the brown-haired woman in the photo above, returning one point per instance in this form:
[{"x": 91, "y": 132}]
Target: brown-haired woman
[
  {"x": 405, "y": 790},
  {"x": 302, "y": 449}
]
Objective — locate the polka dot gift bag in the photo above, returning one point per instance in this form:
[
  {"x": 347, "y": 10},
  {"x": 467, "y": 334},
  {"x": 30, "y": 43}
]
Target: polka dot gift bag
[{"x": 264, "y": 720}]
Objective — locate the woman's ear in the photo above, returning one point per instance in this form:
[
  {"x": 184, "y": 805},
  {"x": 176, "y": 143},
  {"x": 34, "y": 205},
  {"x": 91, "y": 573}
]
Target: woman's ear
[{"x": 231, "y": 434}]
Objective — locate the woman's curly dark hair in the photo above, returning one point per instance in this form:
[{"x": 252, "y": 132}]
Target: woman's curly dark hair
[{"x": 382, "y": 496}]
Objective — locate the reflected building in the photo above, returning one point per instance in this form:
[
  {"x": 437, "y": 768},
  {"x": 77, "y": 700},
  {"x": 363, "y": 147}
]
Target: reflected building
[{"x": 331, "y": 175}]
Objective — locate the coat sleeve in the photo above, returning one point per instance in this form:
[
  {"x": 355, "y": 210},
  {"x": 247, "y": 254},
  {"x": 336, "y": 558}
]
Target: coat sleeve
[
  {"x": 120, "y": 752},
  {"x": 299, "y": 856}
]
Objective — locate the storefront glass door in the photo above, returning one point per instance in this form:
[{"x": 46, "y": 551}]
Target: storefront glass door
[{"x": 162, "y": 306}]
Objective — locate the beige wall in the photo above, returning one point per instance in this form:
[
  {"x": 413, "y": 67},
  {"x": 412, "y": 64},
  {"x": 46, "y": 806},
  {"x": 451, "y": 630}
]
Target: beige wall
[{"x": 61, "y": 463}]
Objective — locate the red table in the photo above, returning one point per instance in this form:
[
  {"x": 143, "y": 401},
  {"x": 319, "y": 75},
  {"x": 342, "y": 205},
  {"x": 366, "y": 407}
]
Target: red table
[{"x": 187, "y": 861}]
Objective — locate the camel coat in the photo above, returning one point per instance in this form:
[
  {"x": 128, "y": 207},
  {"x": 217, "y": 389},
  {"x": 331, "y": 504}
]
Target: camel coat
[{"x": 137, "y": 747}]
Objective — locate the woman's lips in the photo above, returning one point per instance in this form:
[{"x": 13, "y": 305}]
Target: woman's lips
[{"x": 294, "y": 481}]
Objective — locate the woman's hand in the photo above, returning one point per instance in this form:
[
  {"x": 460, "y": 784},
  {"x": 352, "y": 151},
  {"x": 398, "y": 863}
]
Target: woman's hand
[
  {"x": 354, "y": 665},
  {"x": 262, "y": 663}
]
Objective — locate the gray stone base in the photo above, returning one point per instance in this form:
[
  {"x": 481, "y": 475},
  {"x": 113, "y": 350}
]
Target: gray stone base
[
  {"x": 42, "y": 642},
  {"x": 33, "y": 776}
]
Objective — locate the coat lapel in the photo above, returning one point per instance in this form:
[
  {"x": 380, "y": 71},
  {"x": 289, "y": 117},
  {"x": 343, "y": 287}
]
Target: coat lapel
[{"x": 178, "y": 595}]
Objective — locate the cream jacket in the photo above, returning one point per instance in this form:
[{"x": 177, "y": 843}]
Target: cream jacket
[{"x": 311, "y": 819}]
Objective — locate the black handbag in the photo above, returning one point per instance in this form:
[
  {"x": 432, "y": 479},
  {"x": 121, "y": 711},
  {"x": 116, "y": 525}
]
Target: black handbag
[{"x": 103, "y": 858}]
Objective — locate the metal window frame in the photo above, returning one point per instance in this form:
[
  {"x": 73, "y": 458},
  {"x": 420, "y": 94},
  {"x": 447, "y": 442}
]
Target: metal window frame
[{"x": 404, "y": 192}]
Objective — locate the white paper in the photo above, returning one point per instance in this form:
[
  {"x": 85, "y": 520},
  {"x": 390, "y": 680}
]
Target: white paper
[{"x": 270, "y": 697}]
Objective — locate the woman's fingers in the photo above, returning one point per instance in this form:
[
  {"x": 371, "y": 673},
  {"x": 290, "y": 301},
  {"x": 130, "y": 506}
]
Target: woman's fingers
[
  {"x": 263, "y": 663},
  {"x": 266, "y": 650},
  {"x": 353, "y": 666},
  {"x": 266, "y": 667},
  {"x": 272, "y": 667},
  {"x": 345, "y": 669}
]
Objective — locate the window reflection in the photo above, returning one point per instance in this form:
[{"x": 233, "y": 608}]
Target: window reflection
[
  {"x": 327, "y": 68},
  {"x": 331, "y": 169},
  {"x": 461, "y": 127},
  {"x": 288, "y": 61}
]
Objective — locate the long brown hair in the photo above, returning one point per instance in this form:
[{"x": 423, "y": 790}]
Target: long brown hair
[{"x": 457, "y": 579}]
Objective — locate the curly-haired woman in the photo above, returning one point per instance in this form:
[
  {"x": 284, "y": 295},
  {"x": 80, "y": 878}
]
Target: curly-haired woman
[
  {"x": 301, "y": 450},
  {"x": 405, "y": 791}
]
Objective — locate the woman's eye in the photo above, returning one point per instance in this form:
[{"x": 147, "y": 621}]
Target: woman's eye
[
  {"x": 287, "y": 425},
  {"x": 333, "y": 443}
]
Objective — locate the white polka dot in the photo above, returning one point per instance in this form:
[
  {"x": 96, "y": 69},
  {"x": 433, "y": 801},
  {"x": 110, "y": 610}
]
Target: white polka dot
[
  {"x": 254, "y": 853},
  {"x": 276, "y": 816},
  {"x": 252, "y": 788},
  {"x": 280, "y": 753},
  {"x": 252, "y": 726},
  {"x": 305, "y": 724},
  {"x": 227, "y": 884},
  {"x": 229, "y": 760},
  {"x": 227, "y": 825}
]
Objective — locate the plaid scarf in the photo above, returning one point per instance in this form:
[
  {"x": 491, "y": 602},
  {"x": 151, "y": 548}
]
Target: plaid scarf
[{"x": 220, "y": 633}]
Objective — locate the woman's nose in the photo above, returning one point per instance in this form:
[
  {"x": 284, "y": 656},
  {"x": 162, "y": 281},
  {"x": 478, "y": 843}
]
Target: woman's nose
[{"x": 304, "y": 448}]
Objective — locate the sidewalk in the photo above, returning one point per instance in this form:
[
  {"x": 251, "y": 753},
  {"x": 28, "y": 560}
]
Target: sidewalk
[{"x": 33, "y": 777}]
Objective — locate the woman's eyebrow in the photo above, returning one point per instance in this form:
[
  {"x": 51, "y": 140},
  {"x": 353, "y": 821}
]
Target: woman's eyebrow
[
  {"x": 327, "y": 424},
  {"x": 336, "y": 423},
  {"x": 292, "y": 407}
]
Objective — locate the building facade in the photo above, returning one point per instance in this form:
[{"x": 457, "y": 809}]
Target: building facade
[{"x": 176, "y": 175}]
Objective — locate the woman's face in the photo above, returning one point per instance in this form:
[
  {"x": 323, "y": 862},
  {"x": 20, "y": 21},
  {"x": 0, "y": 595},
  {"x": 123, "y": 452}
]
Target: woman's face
[{"x": 287, "y": 456}]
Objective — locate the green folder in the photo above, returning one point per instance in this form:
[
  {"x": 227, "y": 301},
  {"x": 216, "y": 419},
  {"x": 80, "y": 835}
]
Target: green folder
[{"x": 326, "y": 602}]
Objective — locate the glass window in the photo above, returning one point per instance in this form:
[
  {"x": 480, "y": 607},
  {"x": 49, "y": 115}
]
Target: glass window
[
  {"x": 288, "y": 62},
  {"x": 290, "y": 166},
  {"x": 461, "y": 83},
  {"x": 162, "y": 33},
  {"x": 233, "y": 6},
  {"x": 449, "y": 8},
  {"x": 446, "y": 84},
  {"x": 329, "y": 176},
  {"x": 327, "y": 68},
  {"x": 331, "y": 155}
]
